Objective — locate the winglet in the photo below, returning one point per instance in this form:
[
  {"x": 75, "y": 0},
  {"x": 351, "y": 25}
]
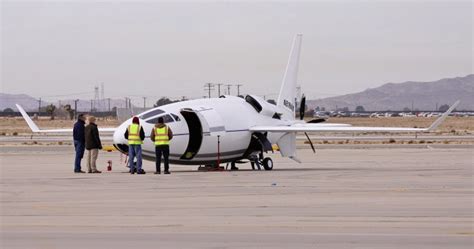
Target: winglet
[
  {"x": 438, "y": 121},
  {"x": 31, "y": 124}
]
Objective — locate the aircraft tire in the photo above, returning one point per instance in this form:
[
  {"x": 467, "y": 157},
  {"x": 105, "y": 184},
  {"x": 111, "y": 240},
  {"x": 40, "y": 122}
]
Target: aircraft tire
[{"x": 267, "y": 163}]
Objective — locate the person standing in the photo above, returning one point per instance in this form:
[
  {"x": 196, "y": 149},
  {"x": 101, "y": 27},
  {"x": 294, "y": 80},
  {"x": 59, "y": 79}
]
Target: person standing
[
  {"x": 79, "y": 142},
  {"x": 135, "y": 136},
  {"x": 93, "y": 145},
  {"x": 161, "y": 135}
]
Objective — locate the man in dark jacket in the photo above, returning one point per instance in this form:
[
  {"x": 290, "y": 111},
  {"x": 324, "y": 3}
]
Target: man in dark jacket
[
  {"x": 93, "y": 145},
  {"x": 79, "y": 142}
]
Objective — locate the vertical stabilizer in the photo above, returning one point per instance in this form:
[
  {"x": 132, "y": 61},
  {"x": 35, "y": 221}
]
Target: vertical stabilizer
[{"x": 287, "y": 96}]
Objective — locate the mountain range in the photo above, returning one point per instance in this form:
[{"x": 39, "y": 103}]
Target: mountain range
[
  {"x": 411, "y": 94},
  {"x": 425, "y": 96}
]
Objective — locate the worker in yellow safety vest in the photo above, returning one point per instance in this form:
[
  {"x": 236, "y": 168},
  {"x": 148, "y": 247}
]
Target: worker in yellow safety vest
[
  {"x": 135, "y": 136},
  {"x": 161, "y": 135}
]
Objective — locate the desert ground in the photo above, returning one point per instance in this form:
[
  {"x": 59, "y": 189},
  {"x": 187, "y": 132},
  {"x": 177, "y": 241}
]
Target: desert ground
[
  {"x": 357, "y": 191},
  {"x": 456, "y": 125}
]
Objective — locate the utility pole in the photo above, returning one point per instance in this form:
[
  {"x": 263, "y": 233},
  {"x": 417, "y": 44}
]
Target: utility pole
[
  {"x": 209, "y": 87},
  {"x": 108, "y": 100},
  {"x": 39, "y": 106},
  {"x": 126, "y": 103},
  {"x": 75, "y": 108},
  {"x": 92, "y": 102},
  {"x": 228, "y": 88},
  {"x": 219, "y": 89},
  {"x": 238, "y": 89},
  {"x": 144, "y": 102}
]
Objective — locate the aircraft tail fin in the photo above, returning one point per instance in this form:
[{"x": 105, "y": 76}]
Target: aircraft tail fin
[{"x": 287, "y": 96}]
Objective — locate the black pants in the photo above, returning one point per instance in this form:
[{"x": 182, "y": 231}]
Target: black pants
[{"x": 165, "y": 151}]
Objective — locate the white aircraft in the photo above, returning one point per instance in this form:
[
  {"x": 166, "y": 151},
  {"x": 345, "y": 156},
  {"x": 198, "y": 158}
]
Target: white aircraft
[{"x": 234, "y": 129}]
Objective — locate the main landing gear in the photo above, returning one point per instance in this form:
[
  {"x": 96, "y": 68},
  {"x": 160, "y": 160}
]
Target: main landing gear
[{"x": 259, "y": 160}]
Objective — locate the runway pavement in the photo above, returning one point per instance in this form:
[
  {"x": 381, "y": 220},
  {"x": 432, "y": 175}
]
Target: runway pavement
[{"x": 339, "y": 198}]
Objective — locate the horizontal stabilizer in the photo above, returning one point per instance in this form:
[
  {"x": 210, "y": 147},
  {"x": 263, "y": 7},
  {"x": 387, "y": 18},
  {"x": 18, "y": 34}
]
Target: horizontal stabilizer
[{"x": 34, "y": 128}]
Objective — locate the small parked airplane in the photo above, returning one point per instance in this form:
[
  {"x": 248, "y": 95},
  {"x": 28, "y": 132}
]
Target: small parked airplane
[{"x": 232, "y": 129}]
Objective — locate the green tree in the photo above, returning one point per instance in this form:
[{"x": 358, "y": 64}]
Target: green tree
[
  {"x": 69, "y": 110},
  {"x": 50, "y": 109},
  {"x": 360, "y": 108},
  {"x": 9, "y": 110},
  {"x": 443, "y": 108},
  {"x": 164, "y": 101}
]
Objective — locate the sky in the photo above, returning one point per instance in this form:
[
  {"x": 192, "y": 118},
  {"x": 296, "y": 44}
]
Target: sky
[{"x": 63, "y": 49}]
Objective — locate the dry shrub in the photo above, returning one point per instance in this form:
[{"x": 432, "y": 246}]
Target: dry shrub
[{"x": 391, "y": 140}]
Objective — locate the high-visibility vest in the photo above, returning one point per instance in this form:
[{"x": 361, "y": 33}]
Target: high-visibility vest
[
  {"x": 134, "y": 134},
  {"x": 161, "y": 136}
]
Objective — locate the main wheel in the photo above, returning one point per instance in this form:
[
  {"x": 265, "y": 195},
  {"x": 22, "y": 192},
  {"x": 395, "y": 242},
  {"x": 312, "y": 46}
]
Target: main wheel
[{"x": 267, "y": 163}]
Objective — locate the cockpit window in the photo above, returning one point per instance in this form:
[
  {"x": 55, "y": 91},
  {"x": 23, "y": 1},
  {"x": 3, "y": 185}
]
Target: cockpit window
[
  {"x": 151, "y": 114},
  {"x": 254, "y": 103},
  {"x": 166, "y": 118},
  {"x": 175, "y": 117}
]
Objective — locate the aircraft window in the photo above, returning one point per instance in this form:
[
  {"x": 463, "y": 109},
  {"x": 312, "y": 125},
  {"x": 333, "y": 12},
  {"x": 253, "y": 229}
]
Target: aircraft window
[
  {"x": 166, "y": 118},
  {"x": 254, "y": 103},
  {"x": 175, "y": 117},
  {"x": 151, "y": 114}
]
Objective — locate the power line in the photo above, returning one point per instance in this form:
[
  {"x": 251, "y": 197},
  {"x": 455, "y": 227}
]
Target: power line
[
  {"x": 219, "y": 89},
  {"x": 208, "y": 87},
  {"x": 228, "y": 88},
  {"x": 238, "y": 89}
]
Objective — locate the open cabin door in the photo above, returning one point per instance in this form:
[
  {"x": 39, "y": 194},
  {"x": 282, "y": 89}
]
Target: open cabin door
[{"x": 201, "y": 121}]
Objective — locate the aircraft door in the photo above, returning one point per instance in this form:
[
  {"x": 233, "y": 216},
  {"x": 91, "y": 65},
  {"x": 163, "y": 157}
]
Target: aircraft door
[{"x": 202, "y": 121}]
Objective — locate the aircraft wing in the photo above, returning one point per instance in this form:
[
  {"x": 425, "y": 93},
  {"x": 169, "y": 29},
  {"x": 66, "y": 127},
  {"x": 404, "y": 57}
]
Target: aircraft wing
[
  {"x": 341, "y": 128},
  {"x": 34, "y": 128}
]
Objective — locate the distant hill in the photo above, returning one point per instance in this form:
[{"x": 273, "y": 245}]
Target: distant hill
[
  {"x": 9, "y": 101},
  {"x": 397, "y": 96},
  {"x": 31, "y": 104}
]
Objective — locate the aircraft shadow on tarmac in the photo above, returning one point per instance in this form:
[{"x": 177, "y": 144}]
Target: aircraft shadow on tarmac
[{"x": 274, "y": 170}]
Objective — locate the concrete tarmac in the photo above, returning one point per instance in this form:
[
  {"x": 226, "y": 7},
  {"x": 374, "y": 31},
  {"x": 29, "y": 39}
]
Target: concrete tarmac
[{"x": 338, "y": 198}]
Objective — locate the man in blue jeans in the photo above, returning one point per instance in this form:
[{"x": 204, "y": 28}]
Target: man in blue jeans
[
  {"x": 79, "y": 142},
  {"x": 135, "y": 136}
]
